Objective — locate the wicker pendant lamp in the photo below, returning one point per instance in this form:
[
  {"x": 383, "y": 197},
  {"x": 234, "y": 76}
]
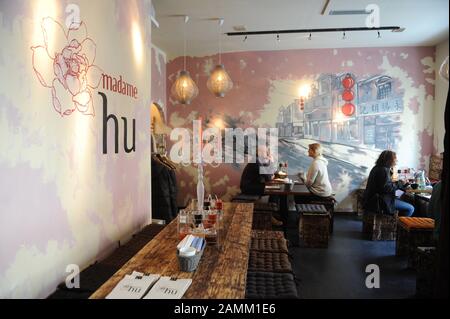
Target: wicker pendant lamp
[
  {"x": 184, "y": 89},
  {"x": 219, "y": 81}
]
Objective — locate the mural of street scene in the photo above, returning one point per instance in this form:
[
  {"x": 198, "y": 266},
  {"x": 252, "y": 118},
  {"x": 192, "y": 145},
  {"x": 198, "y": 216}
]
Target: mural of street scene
[{"x": 369, "y": 125}]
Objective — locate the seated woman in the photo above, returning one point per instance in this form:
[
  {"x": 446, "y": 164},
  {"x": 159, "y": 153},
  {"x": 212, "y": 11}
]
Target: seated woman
[
  {"x": 317, "y": 177},
  {"x": 379, "y": 196}
]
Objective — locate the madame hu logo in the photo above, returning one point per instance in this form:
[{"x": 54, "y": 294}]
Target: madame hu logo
[{"x": 75, "y": 76}]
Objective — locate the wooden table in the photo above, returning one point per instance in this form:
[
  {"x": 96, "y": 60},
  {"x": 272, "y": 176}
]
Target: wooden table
[
  {"x": 422, "y": 198},
  {"x": 419, "y": 191},
  {"x": 222, "y": 272}
]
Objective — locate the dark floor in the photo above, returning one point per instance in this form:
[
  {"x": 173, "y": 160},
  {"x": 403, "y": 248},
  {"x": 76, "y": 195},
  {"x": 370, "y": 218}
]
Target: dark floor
[{"x": 339, "y": 270}]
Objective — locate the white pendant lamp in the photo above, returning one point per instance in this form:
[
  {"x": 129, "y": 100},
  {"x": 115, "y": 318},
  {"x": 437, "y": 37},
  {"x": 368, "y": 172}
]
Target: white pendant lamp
[
  {"x": 219, "y": 82},
  {"x": 184, "y": 89}
]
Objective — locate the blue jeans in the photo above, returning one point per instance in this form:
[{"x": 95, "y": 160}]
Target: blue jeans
[{"x": 404, "y": 208}]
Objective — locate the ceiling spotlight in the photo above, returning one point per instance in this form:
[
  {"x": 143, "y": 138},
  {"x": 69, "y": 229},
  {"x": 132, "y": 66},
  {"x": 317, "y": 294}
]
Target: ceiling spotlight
[
  {"x": 309, "y": 38},
  {"x": 379, "y": 35},
  {"x": 343, "y": 36},
  {"x": 245, "y": 39},
  {"x": 278, "y": 37}
]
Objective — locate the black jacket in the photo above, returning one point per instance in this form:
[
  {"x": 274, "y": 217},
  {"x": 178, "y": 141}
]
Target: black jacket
[
  {"x": 164, "y": 192},
  {"x": 379, "y": 196},
  {"x": 252, "y": 182}
]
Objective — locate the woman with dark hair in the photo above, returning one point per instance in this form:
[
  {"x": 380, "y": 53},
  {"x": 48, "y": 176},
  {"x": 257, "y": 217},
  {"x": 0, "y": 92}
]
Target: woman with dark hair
[{"x": 379, "y": 196}]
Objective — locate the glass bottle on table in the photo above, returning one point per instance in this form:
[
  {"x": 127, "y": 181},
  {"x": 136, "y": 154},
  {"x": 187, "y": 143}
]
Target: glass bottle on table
[
  {"x": 219, "y": 208},
  {"x": 421, "y": 179},
  {"x": 184, "y": 225}
]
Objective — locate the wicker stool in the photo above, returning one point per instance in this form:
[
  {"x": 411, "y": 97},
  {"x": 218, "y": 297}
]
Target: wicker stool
[
  {"x": 262, "y": 220},
  {"x": 314, "y": 225},
  {"x": 269, "y": 245},
  {"x": 266, "y": 285},
  {"x": 379, "y": 227},
  {"x": 413, "y": 232},
  {"x": 269, "y": 262},
  {"x": 267, "y": 234},
  {"x": 426, "y": 263},
  {"x": 329, "y": 203},
  {"x": 244, "y": 198}
]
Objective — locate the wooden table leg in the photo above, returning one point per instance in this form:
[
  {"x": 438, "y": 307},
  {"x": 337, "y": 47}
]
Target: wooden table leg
[{"x": 284, "y": 212}]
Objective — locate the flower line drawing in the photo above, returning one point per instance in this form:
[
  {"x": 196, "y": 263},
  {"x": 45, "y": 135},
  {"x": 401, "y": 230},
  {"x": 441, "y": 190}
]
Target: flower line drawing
[{"x": 64, "y": 63}]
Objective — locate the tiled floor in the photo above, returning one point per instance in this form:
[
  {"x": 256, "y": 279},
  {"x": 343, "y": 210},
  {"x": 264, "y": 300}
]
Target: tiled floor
[{"x": 339, "y": 271}]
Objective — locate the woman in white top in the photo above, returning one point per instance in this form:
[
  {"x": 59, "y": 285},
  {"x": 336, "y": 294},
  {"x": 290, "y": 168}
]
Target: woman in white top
[{"x": 317, "y": 177}]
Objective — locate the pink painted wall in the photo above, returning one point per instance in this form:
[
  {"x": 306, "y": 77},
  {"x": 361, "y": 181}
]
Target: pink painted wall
[
  {"x": 158, "y": 68},
  {"x": 268, "y": 80},
  {"x": 63, "y": 201}
]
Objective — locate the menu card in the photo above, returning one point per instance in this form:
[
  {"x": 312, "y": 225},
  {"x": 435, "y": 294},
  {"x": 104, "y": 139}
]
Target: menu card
[
  {"x": 133, "y": 286},
  {"x": 167, "y": 288}
]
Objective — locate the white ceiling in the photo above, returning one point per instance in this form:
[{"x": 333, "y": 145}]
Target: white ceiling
[{"x": 426, "y": 23}]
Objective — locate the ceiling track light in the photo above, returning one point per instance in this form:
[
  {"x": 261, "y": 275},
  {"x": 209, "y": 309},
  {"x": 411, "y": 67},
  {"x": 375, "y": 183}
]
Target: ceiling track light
[
  {"x": 379, "y": 34},
  {"x": 278, "y": 37},
  {"x": 353, "y": 29},
  {"x": 343, "y": 36},
  {"x": 309, "y": 38},
  {"x": 245, "y": 39}
]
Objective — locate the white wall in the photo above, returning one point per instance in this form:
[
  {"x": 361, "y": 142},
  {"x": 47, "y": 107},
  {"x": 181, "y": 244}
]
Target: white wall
[
  {"x": 63, "y": 201},
  {"x": 441, "y": 90}
]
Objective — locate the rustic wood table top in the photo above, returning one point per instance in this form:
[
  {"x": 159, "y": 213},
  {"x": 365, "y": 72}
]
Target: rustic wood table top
[
  {"x": 419, "y": 191},
  {"x": 297, "y": 190},
  {"x": 222, "y": 272}
]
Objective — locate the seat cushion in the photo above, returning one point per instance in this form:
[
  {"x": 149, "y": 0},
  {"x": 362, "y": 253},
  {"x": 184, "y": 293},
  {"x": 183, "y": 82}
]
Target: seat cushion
[
  {"x": 269, "y": 262},
  {"x": 269, "y": 245},
  {"x": 311, "y": 209},
  {"x": 416, "y": 223},
  {"x": 266, "y": 285},
  {"x": 267, "y": 234},
  {"x": 150, "y": 231}
]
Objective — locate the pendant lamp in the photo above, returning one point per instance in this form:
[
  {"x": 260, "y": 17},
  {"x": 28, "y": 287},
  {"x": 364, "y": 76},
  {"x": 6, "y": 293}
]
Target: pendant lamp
[
  {"x": 184, "y": 89},
  {"x": 219, "y": 81}
]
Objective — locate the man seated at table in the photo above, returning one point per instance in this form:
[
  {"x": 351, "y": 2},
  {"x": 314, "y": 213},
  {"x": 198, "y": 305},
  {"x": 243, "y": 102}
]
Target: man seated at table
[
  {"x": 253, "y": 177},
  {"x": 317, "y": 179}
]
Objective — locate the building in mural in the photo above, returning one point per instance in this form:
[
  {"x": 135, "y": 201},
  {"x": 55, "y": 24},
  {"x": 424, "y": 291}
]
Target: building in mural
[
  {"x": 374, "y": 124},
  {"x": 290, "y": 121}
]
